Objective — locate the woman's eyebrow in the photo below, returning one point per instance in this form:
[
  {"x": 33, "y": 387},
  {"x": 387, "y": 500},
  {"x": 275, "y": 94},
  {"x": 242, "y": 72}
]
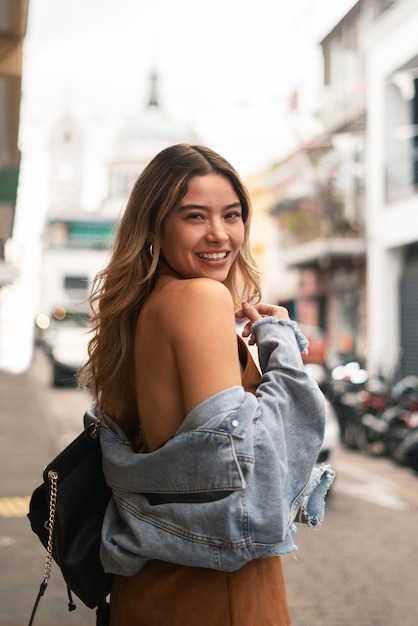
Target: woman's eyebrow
[
  {"x": 203, "y": 207},
  {"x": 184, "y": 207}
]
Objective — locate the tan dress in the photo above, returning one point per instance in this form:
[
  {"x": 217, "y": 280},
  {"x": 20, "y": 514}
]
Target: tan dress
[{"x": 164, "y": 594}]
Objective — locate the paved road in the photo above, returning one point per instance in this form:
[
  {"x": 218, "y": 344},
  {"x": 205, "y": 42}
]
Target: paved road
[{"x": 359, "y": 569}]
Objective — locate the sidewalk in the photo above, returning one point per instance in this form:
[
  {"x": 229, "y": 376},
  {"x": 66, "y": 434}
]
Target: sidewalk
[
  {"x": 25, "y": 448},
  {"x": 22, "y": 446}
]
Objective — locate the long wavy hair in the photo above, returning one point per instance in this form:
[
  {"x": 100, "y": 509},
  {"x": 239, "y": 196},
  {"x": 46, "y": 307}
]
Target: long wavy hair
[{"x": 121, "y": 288}]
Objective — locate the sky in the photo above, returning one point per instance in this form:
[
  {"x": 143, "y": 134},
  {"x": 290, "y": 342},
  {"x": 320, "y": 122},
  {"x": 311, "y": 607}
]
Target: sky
[{"x": 227, "y": 68}]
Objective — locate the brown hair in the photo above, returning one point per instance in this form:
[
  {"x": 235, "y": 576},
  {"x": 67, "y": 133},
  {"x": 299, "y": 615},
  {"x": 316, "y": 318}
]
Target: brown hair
[{"x": 120, "y": 289}]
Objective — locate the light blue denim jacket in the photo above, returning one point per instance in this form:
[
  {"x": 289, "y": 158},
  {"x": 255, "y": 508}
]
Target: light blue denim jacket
[{"x": 229, "y": 485}]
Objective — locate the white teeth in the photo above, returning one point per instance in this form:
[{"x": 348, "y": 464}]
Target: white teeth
[{"x": 213, "y": 256}]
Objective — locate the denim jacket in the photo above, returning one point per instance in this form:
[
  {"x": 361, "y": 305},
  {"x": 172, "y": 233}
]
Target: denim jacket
[{"x": 228, "y": 486}]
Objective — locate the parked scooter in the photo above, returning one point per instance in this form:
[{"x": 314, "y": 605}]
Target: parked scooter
[
  {"x": 385, "y": 431},
  {"x": 374, "y": 399},
  {"x": 406, "y": 452}
]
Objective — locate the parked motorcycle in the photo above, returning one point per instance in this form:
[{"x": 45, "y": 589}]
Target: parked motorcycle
[
  {"x": 385, "y": 431},
  {"x": 406, "y": 452},
  {"x": 374, "y": 400}
]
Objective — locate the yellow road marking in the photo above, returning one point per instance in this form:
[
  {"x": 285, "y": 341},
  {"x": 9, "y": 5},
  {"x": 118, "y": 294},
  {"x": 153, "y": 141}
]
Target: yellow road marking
[
  {"x": 14, "y": 506},
  {"x": 409, "y": 494}
]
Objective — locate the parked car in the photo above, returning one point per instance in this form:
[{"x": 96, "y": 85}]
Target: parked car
[
  {"x": 65, "y": 342},
  {"x": 331, "y": 441}
]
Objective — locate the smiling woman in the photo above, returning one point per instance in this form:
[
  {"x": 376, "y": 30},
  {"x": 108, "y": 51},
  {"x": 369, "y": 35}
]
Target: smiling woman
[
  {"x": 195, "y": 444},
  {"x": 188, "y": 202}
]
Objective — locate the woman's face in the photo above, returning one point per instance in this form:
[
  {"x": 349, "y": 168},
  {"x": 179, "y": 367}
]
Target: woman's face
[{"x": 202, "y": 235}]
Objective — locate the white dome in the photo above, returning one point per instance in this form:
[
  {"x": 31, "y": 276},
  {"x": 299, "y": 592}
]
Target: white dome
[{"x": 145, "y": 134}]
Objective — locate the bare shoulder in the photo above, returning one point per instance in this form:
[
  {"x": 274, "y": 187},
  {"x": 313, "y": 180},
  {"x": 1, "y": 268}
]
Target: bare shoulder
[
  {"x": 199, "y": 289},
  {"x": 203, "y": 298},
  {"x": 200, "y": 326},
  {"x": 207, "y": 292}
]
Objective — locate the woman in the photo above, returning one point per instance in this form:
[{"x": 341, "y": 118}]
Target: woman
[{"x": 163, "y": 365}]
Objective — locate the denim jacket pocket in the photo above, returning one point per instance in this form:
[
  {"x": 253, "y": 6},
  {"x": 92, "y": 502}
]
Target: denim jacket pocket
[{"x": 188, "y": 464}]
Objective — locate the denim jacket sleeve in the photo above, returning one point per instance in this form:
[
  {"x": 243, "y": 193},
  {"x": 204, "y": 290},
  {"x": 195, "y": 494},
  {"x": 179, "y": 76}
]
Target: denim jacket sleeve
[{"x": 229, "y": 485}]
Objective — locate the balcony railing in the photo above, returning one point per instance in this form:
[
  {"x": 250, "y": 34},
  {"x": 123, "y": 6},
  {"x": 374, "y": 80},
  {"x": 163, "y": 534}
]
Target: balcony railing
[{"x": 313, "y": 232}]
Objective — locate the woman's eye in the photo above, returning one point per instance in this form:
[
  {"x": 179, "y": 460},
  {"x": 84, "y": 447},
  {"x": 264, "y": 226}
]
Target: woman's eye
[
  {"x": 195, "y": 216},
  {"x": 233, "y": 215}
]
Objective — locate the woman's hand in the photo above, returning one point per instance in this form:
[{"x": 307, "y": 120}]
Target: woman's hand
[{"x": 255, "y": 312}]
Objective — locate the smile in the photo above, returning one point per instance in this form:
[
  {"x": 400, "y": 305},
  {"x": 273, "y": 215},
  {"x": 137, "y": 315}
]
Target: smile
[{"x": 213, "y": 256}]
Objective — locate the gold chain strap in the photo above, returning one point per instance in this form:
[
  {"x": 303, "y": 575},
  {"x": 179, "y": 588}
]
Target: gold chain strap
[{"x": 53, "y": 478}]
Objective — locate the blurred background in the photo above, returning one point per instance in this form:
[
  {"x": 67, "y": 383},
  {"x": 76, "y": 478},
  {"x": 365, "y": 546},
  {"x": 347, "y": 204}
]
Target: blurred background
[{"x": 315, "y": 103}]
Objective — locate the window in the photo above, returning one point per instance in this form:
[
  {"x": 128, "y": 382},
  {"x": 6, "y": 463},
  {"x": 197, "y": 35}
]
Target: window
[{"x": 76, "y": 282}]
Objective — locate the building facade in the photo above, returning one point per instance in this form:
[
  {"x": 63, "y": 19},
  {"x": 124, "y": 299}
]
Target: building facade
[
  {"x": 391, "y": 52},
  {"x": 74, "y": 241},
  {"x": 317, "y": 204},
  {"x": 345, "y": 204}
]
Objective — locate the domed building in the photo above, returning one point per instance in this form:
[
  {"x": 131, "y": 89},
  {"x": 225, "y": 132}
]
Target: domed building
[{"x": 140, "y": 138}]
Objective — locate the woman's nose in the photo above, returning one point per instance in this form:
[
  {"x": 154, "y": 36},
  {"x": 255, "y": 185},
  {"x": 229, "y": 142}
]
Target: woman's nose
[{"x": 216, "y": 231}]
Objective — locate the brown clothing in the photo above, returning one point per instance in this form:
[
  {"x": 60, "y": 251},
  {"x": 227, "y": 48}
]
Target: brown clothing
[{"x": 165, "y": 594}]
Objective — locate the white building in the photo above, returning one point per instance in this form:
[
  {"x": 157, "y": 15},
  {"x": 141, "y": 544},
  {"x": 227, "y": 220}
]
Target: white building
[
  {"x": 74, "y": 241},
  {"x": 77, "y": 243},
  {"x": 391, "y": 54}
]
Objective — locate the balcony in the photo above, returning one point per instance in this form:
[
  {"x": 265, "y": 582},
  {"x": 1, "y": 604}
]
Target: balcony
[
  {"x": 322, "y": 253},
  {"x": 316, "y": 233}
]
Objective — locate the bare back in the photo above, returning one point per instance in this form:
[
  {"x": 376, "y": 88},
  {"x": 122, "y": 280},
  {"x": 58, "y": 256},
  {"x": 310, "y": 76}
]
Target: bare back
[{"x": 185, "y": 351}]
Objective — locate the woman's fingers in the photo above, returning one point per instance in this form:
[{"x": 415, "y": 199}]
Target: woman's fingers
[
  {"x": 272, "y": 310},
  {"x": 254, "y": 312},
  {"x": 250, "y": 311}
]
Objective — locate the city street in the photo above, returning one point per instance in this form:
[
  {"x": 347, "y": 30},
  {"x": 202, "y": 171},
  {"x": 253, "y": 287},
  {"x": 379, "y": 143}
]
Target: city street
[{"x": 358, "y": 569}]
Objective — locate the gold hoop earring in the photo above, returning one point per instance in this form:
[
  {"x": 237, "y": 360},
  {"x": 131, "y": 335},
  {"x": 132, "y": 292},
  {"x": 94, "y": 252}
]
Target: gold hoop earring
[{"x": 151, "y": 250}]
